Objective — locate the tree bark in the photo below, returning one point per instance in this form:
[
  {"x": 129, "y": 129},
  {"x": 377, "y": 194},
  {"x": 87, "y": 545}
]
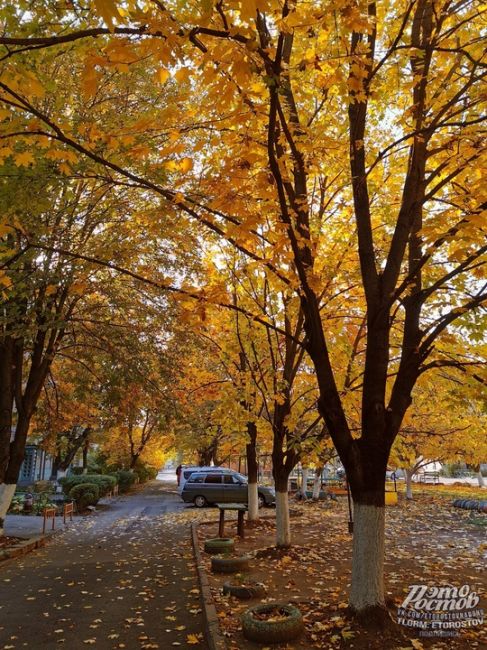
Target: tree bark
[
  {"x": 367, "y": 590},
  {"x": 409, "y": 483},
  {"x": 86, "y": 448},
  {"x": 283, "y": 525},
  {"x": 317, "y": 484},
  {"x": 7, "y": 491},
  {"x": 252, "y": 472},
  {"x": 304, "y": 483}
]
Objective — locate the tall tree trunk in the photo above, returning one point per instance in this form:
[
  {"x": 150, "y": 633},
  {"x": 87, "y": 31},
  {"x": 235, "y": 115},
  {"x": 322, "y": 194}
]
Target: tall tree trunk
[
  {"x": 480, "y": 477},
  {"x": 252, "y": 472},
  {"x": 304, "y": 483},
  {"x": 283, "y": 524},
  {"x": 86, "y": 448},
  {"x": 367, "y": 598},
  {"x": 12, "y": 465},
  {"x": 367, "y": 590},
  {"x": 55, "y": 467},
  {"x": 409, "y": 483},
  {"x": 7, "y": 491},
  {"x": 317, "y": 484}
]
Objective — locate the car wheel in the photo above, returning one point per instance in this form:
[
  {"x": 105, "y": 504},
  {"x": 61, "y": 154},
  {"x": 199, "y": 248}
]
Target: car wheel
[
  {"x": 200, "y": 501},
  {"x": 261, "y": 501}
]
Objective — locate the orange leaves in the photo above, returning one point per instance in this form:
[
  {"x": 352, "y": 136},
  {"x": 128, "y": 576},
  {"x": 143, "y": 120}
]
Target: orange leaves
[
  {"x": 24, "y": 159},
  {"x": 194, "y": 639},
  {"x": 163, "y": 75},
  {"x": 107, "y": 9}
]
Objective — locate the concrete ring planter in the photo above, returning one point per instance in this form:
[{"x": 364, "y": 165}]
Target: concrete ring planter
[
  {"x": 245, "y": 590},
  {"x": 219, "y": 545},
  {"x": 285, "y": 622},
  {"x": 221, "y": 564}
]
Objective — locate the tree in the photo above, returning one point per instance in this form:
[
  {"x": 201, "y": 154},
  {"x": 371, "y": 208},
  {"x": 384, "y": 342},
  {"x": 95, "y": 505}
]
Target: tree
[
  {"x": 41, "y": 295},
  {"x": 347, "y": 128},
  {"x": 445, "y": 423}
]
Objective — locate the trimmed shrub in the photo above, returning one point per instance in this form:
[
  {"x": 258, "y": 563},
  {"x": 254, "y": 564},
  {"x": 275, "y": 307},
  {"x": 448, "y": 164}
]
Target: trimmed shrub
[
  {"x": 146, "y": 472},
  {"x": 125, "y": 479},
  {"x": 85, "y": 494},
  {"x": 104, "y": 482}
]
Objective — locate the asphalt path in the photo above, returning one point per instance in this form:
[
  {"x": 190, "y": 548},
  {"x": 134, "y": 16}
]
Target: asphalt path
[{"x": 122, "y": 577}]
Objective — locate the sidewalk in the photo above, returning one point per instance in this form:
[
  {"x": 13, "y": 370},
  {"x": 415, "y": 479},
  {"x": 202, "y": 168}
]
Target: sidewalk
[{"x": 28, "y": 526}]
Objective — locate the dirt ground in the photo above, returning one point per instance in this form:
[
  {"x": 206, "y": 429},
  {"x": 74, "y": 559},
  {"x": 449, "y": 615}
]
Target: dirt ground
[{"x": 428, "y": 542}]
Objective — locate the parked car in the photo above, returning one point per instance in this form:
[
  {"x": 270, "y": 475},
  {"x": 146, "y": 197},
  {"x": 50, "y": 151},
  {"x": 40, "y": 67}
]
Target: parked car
[
  {"x": 223, "y": 486},
  {"x": 186, "y": 472}
]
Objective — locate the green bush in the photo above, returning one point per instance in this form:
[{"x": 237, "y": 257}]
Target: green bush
[
  {"x": 125, "y": 479},
  {"x": 146, "y": 472},
  {"x": 104, "y": 482},
  {"x": 85, "y": 494}
]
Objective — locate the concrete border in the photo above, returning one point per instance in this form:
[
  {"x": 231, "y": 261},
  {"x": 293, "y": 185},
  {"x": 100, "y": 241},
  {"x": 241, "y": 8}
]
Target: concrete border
[
  {"x": 22, "y": 548},
  {"x": 27, "y": 546},
  {"x": 214, "y": 637}
]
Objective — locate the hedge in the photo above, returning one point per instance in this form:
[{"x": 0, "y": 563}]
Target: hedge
[
  {"x": 104, "y": 482},
  {"x": 85, "y": 494},
  {"x": 125, "y": 479}
]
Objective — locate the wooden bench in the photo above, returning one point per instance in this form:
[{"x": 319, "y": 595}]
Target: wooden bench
[
  {"x": 49, "y": 513},
  {"x": 68, "y": 511},
  {"x": 240, "y": 508},
  {"x": 337, "y": 487},
  {"x": 430, "y": 477}
]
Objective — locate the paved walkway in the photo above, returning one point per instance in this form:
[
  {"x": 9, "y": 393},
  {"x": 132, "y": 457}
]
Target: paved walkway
[{"x": 122, "y": 577}]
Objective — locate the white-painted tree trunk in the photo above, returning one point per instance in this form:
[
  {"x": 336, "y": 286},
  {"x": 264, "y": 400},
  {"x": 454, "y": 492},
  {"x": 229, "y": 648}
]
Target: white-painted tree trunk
[
  {"x": 480, "y": 479},
  {"x": 253, "y": 513},
  {"x": 409, "y": 483},
  {"x": 61, "y": 473},
  {"x": 85, "y": 470},
  {"x": 7, "y": 490},
  {"x": 317, "y": 486},
  {"x": 283, "y": 526},
  {"x": 304, "y": 483},
  {"x": 367, "y": 589}
]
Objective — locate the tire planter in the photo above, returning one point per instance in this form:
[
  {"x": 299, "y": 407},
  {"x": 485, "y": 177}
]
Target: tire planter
[
  {"x": 219, "y": 545},
  {"x": 289, "y": 627},
  {"x": 244, "y": 591},
  {"x": 468, "y": 504},
  {"x": 221, "y": 564}
]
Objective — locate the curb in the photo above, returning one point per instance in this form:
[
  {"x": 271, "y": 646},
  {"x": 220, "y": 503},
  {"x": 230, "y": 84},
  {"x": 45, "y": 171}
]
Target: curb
[
  {"x": 27, "y": 546},
  {"x": 214, "y": 638}
]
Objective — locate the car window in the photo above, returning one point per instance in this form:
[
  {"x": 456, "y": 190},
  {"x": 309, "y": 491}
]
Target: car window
[
  {"x": 213, "y": 478},
  {"x": 196, "y": 478},
  {"x": 229, "y": 479}
]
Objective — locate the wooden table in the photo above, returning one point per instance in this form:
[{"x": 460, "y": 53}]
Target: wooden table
[{"x": 241, "y": 510}]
